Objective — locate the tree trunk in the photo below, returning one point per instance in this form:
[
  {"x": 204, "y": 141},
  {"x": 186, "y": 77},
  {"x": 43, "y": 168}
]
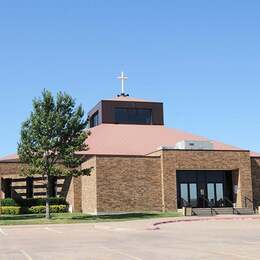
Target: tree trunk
[{"x": 47, "y": 214}]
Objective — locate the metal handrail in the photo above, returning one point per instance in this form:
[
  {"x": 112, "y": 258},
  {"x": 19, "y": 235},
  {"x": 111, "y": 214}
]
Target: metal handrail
[
  {"x": 209, "y": 204},
  {"x": 231, "y": 203},
  {"x": 186, "y": 202},
  {"x": 251, "y": 201}
]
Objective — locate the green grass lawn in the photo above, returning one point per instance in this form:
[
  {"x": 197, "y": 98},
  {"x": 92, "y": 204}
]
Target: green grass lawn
[{"x": 67, "y": 218}]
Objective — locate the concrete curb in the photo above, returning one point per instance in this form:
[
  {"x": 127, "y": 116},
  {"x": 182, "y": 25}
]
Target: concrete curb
[{"x": 156, "y": 225}]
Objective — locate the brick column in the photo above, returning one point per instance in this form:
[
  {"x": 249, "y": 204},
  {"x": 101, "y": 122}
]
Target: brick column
[{"x": 77, "y": 194}]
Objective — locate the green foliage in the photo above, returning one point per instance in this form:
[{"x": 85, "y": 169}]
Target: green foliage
[
  {"x": 32, "y": 206},
  {"x": 10, "y": 210},
  {"x": 51, "y": 138},
  {"x": 42, "y": 201},
  {"x": 52, "y": 135},
  {"x": 8, "y": 202},
  {"x": 53, "y": 209}
]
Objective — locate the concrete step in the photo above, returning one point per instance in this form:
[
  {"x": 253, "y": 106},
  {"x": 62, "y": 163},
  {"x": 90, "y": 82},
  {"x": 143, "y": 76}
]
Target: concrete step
[
  {"x": 222, "y": 211},
  {"x": 203, "y": 212},
  {"x": 244, "y": 211}
]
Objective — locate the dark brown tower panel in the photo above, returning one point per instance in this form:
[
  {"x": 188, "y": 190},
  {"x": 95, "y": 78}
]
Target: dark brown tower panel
[{"x": 126, "y": 112}]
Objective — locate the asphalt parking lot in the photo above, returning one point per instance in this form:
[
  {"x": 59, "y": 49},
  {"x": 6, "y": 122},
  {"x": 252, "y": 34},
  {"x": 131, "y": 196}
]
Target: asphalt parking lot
[{"x": 213, "y": 239}]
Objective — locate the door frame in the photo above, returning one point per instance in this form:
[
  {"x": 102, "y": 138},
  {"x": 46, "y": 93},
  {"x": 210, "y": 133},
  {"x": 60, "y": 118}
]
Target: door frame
[{"x": 202, "y": 178}]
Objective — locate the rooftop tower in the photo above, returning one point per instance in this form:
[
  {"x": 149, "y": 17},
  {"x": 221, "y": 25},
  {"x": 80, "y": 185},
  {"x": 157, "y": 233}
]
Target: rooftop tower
[{"x": 126, "y": 110}]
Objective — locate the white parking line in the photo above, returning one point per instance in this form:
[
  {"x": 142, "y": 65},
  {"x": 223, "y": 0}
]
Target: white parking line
[
  {"x": 121, "y": 253},
  {"x": 53, "y": 230},
  {"x": 251, "y": 242},
  {"x": 26, "y": 255},
  {"x": 3, "y": 232},
  {"x": 103, "y": 227}
]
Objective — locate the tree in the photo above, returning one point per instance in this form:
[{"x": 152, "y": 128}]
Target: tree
[{"x": 50, "y": 138}]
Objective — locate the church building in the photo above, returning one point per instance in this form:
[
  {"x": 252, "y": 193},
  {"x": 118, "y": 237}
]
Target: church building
[{"x": 140, "y": 165}]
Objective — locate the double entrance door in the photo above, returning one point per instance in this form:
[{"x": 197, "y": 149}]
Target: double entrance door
[{"x": 204, "y": 188}]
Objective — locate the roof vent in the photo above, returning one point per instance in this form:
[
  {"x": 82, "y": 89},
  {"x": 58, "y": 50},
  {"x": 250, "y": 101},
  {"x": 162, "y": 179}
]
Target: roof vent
[{"x": 194, "y": 145}]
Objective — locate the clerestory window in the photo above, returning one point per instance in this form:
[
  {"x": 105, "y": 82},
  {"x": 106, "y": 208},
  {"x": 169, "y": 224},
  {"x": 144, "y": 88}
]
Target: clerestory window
[
  {"x": 94, "y": 120},
  {"x": 133, "y": 116}
]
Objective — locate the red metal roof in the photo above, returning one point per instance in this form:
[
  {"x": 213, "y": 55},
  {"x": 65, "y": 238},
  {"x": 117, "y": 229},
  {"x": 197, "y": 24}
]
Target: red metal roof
[
  {"x": 119, "y": 139},
  {"x": 139, "y": 139},
  {"x": 254, "y": 154},
  {"x": 9, "y": 158}
]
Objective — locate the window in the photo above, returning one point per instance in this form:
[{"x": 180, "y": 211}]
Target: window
[
  {"x": 29, "y": 187},
  {"x": 184, "y": 194},
  {"x": 8, "y": 188},
  {"x": 211, "y": 194},
  {"x": 193, "y": 194},
  {"x": 53, "y": 186},
  {"x": 188, "y": 194},
  {"x": 220, "y": 194},
  {"x": 133, "y": 116},
  {"x": 94, "y": 120}
]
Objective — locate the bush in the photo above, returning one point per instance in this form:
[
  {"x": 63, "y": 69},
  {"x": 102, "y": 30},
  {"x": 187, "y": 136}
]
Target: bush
[
  {"x": 53, "y": 209},
  {"x": 8, "y": 202},
  {"x": 10, "y": 210},
  {"x": 41, "y": 202}
]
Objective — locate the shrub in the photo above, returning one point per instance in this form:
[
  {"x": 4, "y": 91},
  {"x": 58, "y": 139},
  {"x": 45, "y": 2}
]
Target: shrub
[
  {"x": 10, "y": 210},
  {"x": 41, "y": 202},
  {"x": 57, "y": 201},
  {"x": 8, "y": 202},
  {"x": 53, "y": 209}
]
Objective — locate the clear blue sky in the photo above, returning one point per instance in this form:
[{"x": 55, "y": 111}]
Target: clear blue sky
[{"x": 201, "y": 58}]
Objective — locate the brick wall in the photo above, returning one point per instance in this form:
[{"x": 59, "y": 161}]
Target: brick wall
[
  {"x": 128, "y": 184},
  {"x": 8, "y": 170},
  {"x": 255, "y": 166},
  {"x": 173, "y": 160},
  {"x": 89, "y": 191},
  {"x": 18, "y": 186},
  {"x": 139, "y": 183}
]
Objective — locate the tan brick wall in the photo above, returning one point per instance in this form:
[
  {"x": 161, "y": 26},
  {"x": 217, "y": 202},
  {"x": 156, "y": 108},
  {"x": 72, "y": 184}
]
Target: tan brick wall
[
  {"x": 173, "y": 160},
  {"x": 70, "y": 194},
  {"x": 77, "y": 183},
  {"x": 128, "y": 184},
  {"x": 73, "y": 194},
  {"x": 132, "y": 183},
  {"x": 255, "y": 166},
  {"x": 13, "y": 171},
  {"x": 81, "y": 193},
  {"x": 89, "y": 190},
  {"x": 8, "y": 170}
]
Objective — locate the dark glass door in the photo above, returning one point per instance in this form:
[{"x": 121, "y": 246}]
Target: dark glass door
[
  {"x": 215, "y": 192},
  {"x": 211, "y": 194},
  {"x": 204, "y": 188},
  {"x": 184, "y": 194},
  {"x": 202, "y": 202},
  {"x": 193, "y": 194},
  {"x": 188, "y": 195},
  {"x": 219, "y": 194}
]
